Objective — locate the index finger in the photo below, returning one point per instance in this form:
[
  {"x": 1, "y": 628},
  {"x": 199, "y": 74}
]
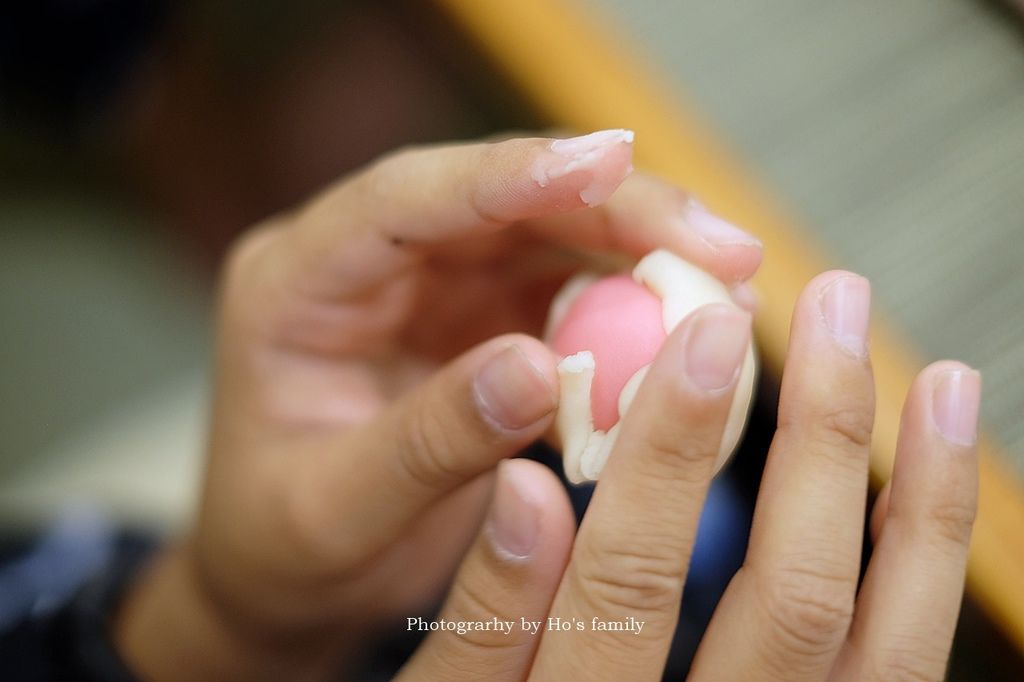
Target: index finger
[
  {"x": 367, "y": 228},
  {"x": 628, "y": 565}
]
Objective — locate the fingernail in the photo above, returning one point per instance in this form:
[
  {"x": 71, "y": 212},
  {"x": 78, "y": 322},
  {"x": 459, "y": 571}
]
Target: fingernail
[
  {"x": 956, "y": 398},
  {"x": 714, "y": 230},
  {"x": 745, "y": 296},
  {"x": 717, "y": 346},
  {"x": 846, "y": 306},
  {"x": 577, "y": 148},
  {"x": 511, "y": 391},
  {"x": 514, "y": 520},
  {"x": 581, "y": 153}
]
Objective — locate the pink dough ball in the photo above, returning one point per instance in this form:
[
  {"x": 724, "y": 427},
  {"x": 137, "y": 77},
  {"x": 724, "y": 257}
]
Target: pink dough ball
[{"x": 620, "y": 322}]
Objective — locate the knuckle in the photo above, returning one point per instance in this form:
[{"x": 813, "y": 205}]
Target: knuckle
[
  {"x": 841, "y": 428},
  {"x": 951, "y": 520},
  {"x": 629, "y": 581},
  {"x": 909, "y": 658},
  {"x": 809, "y": 610},
  {"x": 672, "y": 450},
  {"x": 471, "y": 604},
  {"x": 687, "y": 460},
  {"x": 849, "y": 427},
  {"x": 425, "y": 445}
]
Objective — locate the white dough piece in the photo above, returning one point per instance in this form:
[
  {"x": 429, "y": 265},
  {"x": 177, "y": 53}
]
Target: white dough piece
[{"x": 682, "y": 288}]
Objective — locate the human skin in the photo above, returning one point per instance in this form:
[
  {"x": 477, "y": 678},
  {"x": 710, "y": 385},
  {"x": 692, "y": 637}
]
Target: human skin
[{"x": 370, "y": 393}]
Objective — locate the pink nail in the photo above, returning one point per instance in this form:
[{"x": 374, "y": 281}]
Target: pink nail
[
  {"x": 716, "y": 346},
  {"x": 514, "y": 520},
  {"x": 714, "y": 230},
  {"x": 846, "y": 306},
  {"x": 956, "y": 398}
]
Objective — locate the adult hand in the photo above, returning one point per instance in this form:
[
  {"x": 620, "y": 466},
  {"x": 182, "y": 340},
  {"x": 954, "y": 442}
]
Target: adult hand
[
  {"x": 793, "y": 611},
  {"x": 375, "y": 364}
]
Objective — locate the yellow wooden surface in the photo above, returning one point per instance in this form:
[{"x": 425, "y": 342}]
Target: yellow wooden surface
[{"x": 580, "y": 75}]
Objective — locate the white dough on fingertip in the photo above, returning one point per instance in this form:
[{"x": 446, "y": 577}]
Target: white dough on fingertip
[
  {"x": 682, "y": 288},
  {"x": 583, "y": 153}
]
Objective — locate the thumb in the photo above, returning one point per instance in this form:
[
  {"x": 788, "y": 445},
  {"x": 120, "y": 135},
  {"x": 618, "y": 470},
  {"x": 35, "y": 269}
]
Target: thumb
[
  {"x": 481, "y": 408},
  {"x": 497, "y": 609}
]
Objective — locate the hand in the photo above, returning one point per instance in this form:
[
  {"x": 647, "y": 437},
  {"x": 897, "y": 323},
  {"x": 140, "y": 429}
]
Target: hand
[
  {"x": 369, "y": 382},
  {"x": 793, "y": 611}
]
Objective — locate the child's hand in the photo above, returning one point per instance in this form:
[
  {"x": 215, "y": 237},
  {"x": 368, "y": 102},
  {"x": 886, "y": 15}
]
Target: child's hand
[
  {"x": 352, "y": 457},
  {"x": 793, "y": 611},
  {"x": 376, "y": 361}
]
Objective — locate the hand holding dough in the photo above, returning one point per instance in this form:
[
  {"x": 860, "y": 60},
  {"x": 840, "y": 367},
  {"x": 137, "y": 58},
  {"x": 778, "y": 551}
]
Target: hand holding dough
[{"x": 608, "y": 331}]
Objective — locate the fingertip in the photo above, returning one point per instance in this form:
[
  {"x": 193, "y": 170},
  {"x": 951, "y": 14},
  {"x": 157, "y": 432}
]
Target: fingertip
[
  {"x": 531, "y": 522},
  {"x": 727, "y": 251},
  {"x": 542, "y": 359},
  {"x": 717, "y": 342},
  {"x": 584, "y": 170},
  {"x": 538, "y": 487},
  {"x": 955, "y": 401},
  {"x": 514, "y": 388},
  {"x": 924, "y": 398},
  {"x": 745, "y": 297},
  {"x": 936, "y": 456},
  {"x": 513, "y": 526},
  {"x": 715, "y": 230},
  {"x": 732, "y": 265},
  {"x": 509, "y": 578},
  {"x": 944, "y": 366},
  {"x": 820, "y": 282},
  {"x": 740, "y": 262},
  {"x": 833, "y": 314}
]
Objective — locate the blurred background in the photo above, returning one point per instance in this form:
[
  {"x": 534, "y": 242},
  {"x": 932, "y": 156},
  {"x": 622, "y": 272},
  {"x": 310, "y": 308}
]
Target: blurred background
[{"x": 138, "y": 138}]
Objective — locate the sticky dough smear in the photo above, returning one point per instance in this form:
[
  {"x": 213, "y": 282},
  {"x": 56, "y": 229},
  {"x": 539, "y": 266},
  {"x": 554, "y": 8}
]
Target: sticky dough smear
[{"x": 620, "y": 322}]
